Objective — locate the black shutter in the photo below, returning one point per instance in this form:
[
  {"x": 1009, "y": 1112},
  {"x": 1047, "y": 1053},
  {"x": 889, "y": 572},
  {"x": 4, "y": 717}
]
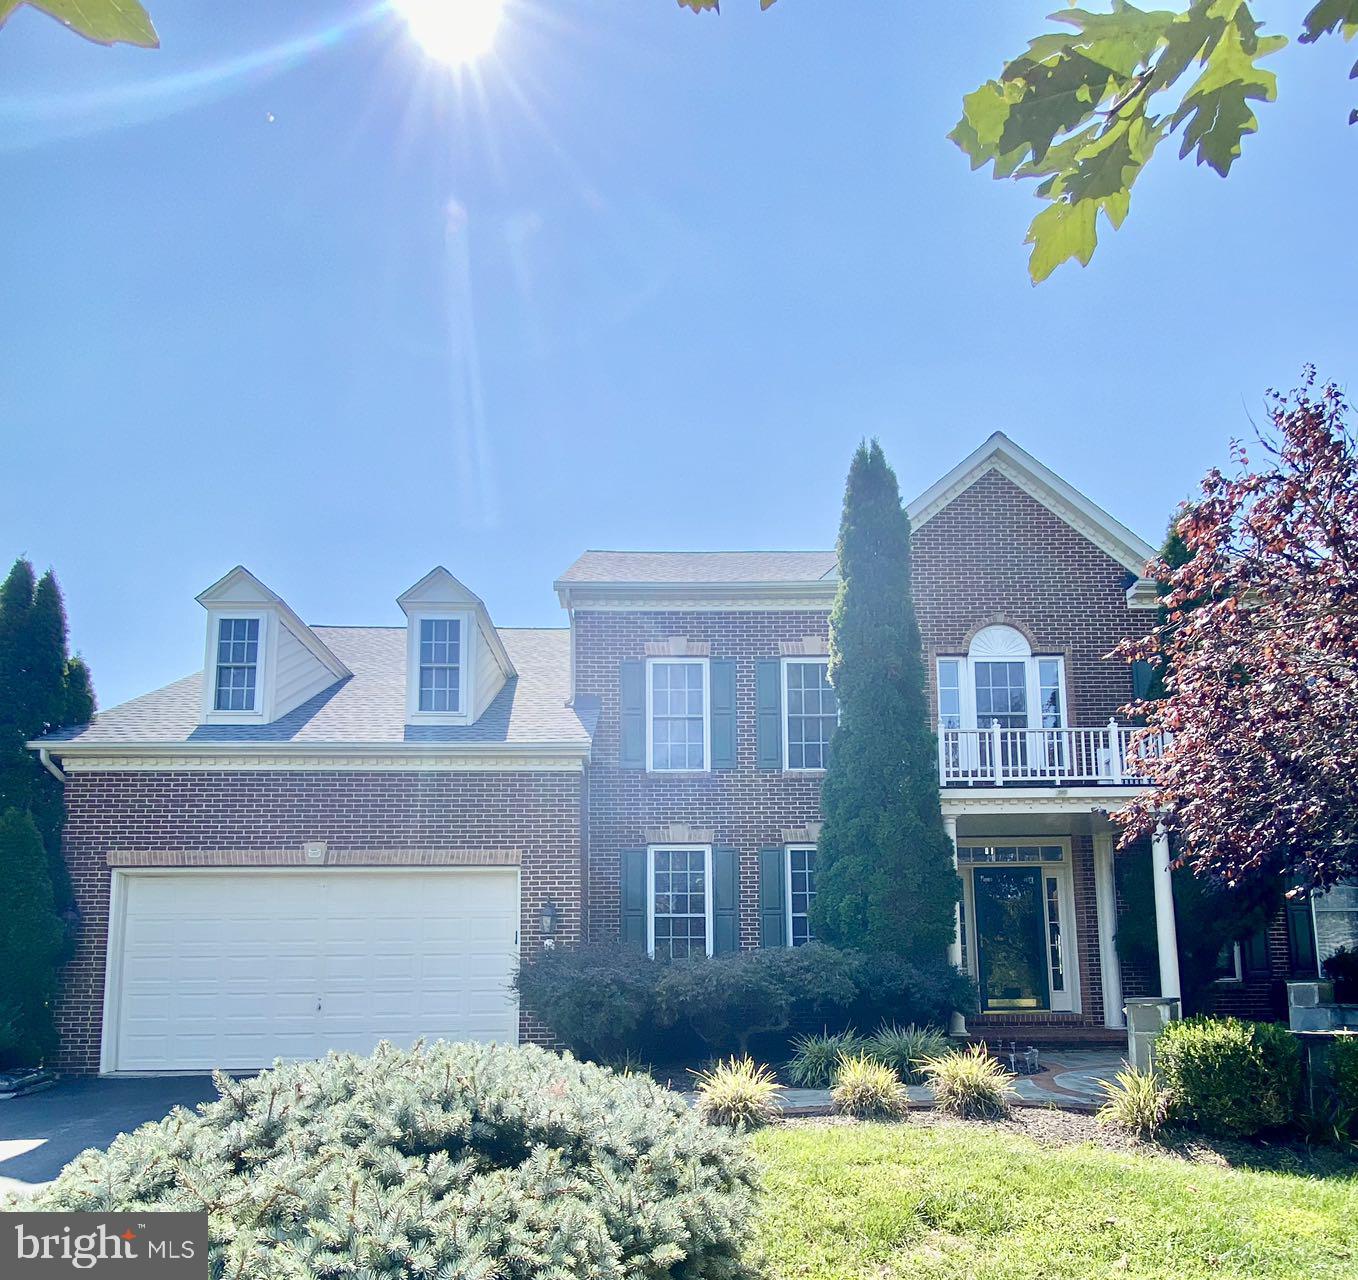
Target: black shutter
[
  {"x": 773, "y": 898},
  {"x": 768, "y": 701},
  {"x": 722, "y": 675},
  {"x": 632, "y": 902},
  {"x": 632, "y": 732},
  {"x": 725, "y": 900}
]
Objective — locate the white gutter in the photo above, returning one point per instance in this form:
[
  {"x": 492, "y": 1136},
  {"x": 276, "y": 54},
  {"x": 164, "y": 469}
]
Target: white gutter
[{"x": 50, "y": 765}]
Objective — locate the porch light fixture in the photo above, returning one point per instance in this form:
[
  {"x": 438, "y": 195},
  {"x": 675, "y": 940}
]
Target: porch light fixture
[
  {"x": 548, "y": 919},
  {"x": 71, "y": 921}
]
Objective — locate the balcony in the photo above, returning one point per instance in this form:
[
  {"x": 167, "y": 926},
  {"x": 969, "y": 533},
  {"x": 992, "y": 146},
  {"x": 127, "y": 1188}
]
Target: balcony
[{"x": 997, "y": 757}]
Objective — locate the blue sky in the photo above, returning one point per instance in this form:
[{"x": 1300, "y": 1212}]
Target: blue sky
[{"x": 284, "y": 293}]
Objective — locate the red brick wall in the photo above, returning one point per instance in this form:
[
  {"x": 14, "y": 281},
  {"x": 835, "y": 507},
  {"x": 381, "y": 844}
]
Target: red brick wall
[
  {"x": 537, "y": 815},
  {"x": 747, "y": 809},
  {"x": 994, "y": 554}
]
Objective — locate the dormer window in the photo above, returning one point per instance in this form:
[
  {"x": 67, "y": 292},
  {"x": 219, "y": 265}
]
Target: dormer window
[
  {"x": 237, "y": 664},
  {"x": 441, "y": 665},
  {"x": 456, "y": 662}
]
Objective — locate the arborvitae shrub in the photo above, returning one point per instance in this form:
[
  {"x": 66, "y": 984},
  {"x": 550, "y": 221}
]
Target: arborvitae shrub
[
  {"x": 1229, "y": 1077},
  {"x": 454, "y": 1161}
]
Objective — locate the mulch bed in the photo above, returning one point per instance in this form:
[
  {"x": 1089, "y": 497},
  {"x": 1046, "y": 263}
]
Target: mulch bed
[{"x": 1049, "y": 1127}]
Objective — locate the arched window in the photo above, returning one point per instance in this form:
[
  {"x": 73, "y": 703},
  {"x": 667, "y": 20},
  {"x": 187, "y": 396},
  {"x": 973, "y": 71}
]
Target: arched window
[{"x": 999, "y": 680}]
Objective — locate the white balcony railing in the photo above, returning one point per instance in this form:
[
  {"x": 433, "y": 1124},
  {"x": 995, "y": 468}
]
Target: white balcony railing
[{"x": 997, "y": 757}]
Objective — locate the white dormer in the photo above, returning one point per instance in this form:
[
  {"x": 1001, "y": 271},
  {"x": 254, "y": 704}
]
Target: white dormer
[
  {"x": 262, "y": 660},
  {"x": 455, "y": 661}
]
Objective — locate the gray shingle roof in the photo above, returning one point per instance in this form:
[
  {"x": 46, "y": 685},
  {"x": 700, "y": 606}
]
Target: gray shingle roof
[
  {"x": 369, "y": 706},
  {"x": 701, "y": 566}
]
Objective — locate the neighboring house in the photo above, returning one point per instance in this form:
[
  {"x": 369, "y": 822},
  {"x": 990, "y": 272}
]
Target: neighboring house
[{"x": 339, "y": 834}]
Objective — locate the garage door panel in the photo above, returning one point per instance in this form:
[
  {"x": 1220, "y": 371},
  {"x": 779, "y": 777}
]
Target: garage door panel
[{"x": 236, "y": 970}]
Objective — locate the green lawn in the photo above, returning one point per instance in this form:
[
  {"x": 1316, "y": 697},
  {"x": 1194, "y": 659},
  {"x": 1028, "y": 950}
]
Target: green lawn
[{"x": 883, "y": 1201}]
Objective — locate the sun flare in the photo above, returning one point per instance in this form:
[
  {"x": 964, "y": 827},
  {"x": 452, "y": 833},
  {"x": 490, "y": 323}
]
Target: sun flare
[{"x": 457, "y": 32}]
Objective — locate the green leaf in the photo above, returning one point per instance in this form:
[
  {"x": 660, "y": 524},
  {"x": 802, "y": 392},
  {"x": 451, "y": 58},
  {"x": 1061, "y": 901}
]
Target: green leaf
[
  {"x": 103, "y": 21},
  {"x": 1216, "y": 107},
  {"x": 1329, "y": 16},
  {"x": 1062, "y": 231}
]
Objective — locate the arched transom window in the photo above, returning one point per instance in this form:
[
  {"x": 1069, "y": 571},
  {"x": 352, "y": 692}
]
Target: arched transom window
[{"x": 1000, "y": 680}]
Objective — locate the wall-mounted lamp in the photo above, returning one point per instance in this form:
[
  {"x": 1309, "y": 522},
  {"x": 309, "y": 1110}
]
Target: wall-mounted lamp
[
  {"x": 551, "y": 914},
  {"x": 70, "y": 920}
]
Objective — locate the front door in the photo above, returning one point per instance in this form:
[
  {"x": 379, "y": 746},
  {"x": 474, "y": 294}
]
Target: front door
[{"x": 1011, "y": 929}]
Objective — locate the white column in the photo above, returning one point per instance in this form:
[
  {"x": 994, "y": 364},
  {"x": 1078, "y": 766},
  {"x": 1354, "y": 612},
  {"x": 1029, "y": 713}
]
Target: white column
[
  {"x": 1166, "y": 934},
  {"x": 1106, "y": 906},
  {"x": 958, "y": 1026}
]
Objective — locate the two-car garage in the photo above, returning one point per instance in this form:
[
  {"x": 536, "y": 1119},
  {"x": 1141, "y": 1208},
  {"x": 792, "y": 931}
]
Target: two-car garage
[{"x": 233, "y": 968}]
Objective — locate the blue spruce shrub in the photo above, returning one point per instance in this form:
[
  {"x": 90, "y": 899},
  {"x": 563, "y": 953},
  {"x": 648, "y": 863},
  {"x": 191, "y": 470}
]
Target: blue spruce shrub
[{"x": 452, "y": 1161}]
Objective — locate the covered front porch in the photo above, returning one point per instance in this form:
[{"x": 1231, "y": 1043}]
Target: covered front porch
[{"x": 1039, "y": 915}]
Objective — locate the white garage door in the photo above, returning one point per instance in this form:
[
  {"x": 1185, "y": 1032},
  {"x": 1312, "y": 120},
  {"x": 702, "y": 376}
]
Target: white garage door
[{"x": 234, "y": 969}]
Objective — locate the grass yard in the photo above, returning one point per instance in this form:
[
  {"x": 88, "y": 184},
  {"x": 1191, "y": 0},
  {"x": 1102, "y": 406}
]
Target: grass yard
[{"x": 955, "y": 1200}]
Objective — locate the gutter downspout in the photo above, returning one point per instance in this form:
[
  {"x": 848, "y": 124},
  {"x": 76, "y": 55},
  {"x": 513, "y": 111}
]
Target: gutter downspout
[{"x": 51, "y": 765}]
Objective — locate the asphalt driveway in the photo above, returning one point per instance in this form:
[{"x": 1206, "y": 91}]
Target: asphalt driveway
[{"x": 40, "y": 1133}]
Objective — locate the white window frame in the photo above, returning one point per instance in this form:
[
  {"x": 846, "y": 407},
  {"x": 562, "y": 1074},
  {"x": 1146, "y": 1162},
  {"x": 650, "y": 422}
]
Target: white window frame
[
  {"x": 1069, "y": 1000},
  {"x": 467, "y": 645},
  {"x": 788, "y": 663},
  {"x": 1032, "y": 681},
  {"x": 651, "y": 851},
  {"x": 651, "y": 664},
  {"x": 264, "y": 667},
  {"x": 1237, "y": 974},
  {"x": 788, "y": 851},
  {"x": 1319, "y": 907}
]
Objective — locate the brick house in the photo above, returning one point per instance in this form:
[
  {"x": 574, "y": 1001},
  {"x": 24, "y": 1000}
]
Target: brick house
[{"x": 338, "y": 834}]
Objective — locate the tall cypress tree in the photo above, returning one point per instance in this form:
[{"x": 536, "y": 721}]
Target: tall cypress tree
[
  {"x": 884, "y": 871},
  {"x": 31, "y": 943},
  {"x": 41, "y": 688}
]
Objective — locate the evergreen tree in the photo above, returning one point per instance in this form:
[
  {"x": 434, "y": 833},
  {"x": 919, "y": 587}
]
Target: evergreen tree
[
  {"x": 31, "y": 942},
  {"x": 41, "y": 688},
  {"x": 884, "y": 870}
]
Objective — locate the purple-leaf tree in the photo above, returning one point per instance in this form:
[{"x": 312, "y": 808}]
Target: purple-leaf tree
[{"x": 1258, "y": 646}]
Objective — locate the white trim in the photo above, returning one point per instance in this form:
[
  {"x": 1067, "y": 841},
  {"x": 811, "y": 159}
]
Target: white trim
[
  {"x": 1069, "y": 1000},
  {"x": 321, "y": 757},
  {"x": 708, "y": 888},
  {"x": 117, "y": 922},
  {"x": 788, "y": 851},
  {"x": 266, "y": 659},
  {"x": 1105, "y": 908},
  {"x": 959, "y": 802},
  {"x": 705, "y": 663},
  {"x": 699, "y": 597},
  {"x": 466, "y": 675},
  {"x": 785, "y": 663},
  {"x": 1237, "y": 974},
  {"x": 999, "y": 453}
]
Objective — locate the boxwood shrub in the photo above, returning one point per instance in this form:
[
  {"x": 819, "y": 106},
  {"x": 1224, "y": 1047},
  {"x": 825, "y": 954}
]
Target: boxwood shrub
[
  {"x": 453, "y": 1161},
  {"x": 1230, "y": 1078},
  {"x": 601, "y": 1000}
]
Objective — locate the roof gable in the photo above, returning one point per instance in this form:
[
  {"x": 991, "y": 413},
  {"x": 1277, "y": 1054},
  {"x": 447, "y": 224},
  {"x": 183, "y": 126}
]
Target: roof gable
[
  {"x": 240, "y": 589},
  {"x": 437, "y": 590},
  {"x": 1063, "y": 500}
]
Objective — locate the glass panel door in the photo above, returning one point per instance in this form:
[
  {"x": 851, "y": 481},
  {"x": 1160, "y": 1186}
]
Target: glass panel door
[
  {"x": 1002, "y": 697},
  {"x": 1012, "y": 938}
]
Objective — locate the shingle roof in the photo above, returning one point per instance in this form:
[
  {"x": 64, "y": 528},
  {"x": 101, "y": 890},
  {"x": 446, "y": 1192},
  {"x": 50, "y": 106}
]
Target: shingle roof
[
  {"x": 369, "y": 706},
  {"x": 701, "y": 566}
]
